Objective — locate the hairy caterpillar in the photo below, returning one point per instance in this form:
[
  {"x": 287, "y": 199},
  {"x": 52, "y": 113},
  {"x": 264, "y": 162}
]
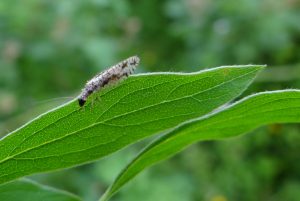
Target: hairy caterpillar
[{"x": 121, "y": 70}]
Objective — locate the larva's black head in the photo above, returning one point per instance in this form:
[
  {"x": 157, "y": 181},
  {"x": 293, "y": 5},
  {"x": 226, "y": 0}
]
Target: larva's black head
[{"x": 81, "y": 102}]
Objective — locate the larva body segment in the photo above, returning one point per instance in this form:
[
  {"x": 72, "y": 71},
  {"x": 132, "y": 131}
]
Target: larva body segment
[{"x": 121, "y": 70}]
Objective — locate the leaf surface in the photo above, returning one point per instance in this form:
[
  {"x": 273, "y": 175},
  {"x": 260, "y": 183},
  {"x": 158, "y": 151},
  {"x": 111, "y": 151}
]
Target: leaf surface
[
  {"x": 119, "y": 115},
  {"x": 27, "y": 190},
  {"x": 236, "y": 119}
]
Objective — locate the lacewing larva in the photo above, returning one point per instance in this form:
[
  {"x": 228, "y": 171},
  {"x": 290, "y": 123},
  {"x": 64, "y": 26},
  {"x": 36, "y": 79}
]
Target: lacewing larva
[{"x": 121, "y": 70}]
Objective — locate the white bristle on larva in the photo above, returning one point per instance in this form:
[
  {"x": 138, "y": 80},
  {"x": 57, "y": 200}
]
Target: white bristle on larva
[{"x": 114, "y": 73}]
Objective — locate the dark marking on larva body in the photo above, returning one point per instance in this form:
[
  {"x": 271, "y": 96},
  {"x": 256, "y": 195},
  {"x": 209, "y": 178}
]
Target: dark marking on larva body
[
  {"x": 121, "y": 70},
  {"x": 124, "y": 64}
]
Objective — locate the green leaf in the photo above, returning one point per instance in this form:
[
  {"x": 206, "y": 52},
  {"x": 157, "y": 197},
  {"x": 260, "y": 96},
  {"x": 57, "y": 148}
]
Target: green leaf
[
  {"x": 139, "y": 107},
  {"x": 236, "y": 119},
  {"x": 27, "y": 190}
]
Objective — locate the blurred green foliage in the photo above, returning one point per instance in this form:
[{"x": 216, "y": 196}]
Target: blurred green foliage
[{"x": 49, "y": 48}]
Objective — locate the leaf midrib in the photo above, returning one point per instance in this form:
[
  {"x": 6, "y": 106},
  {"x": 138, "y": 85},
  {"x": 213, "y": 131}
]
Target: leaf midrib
[
  {"x": 112, "y": 188},
  {"x": 95, "y": 124}
]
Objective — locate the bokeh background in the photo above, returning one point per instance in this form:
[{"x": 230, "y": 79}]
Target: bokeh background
[{"x": 49, "y": 48}]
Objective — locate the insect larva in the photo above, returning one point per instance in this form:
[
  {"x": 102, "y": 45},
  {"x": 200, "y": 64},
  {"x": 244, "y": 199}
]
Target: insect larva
[{"x": 121, "y": 70}]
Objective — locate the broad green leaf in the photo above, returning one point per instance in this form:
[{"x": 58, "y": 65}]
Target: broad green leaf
[
  {"x": 236, "y": 119},
  {"x": 136, "y": 108},
  {"x": 27, "y": 190}
]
